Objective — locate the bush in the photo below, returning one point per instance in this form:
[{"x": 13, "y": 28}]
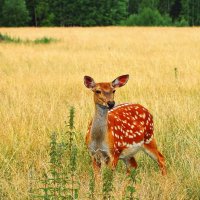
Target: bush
[
  {"x": 133, "y": 20},
  {"x": 182, "y": 22},
  {"x": 15, "y": 13},
  {"x": 9, "y": 39},
  {"x": 148, "y": 17},
  {"x": 44, "y": 40}
]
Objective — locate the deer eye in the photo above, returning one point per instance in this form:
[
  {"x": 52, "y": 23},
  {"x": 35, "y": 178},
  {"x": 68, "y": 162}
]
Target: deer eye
[
  {"x": 114, "y": 91},
  {"x": 98, "y": 92}
]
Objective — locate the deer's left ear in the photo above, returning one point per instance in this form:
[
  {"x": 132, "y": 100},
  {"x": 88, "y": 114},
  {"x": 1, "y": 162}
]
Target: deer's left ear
[{"x": 120, "y": 81}]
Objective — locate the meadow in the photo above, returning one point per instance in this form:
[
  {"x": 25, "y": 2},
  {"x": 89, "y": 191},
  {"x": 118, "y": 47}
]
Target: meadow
[{"x": 39, "y": 82}]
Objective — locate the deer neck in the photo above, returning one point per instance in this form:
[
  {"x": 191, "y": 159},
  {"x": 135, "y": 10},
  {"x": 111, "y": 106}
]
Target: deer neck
[{"x": 99, "y": 124}]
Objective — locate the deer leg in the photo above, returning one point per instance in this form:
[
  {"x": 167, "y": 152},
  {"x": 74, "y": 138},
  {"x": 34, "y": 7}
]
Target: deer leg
[
  {"x": 152, "y": 151},
  {"x": 113, "y": 162},
  {"x": 130, "y": 162},
  {"x": 96, "y": 167}
]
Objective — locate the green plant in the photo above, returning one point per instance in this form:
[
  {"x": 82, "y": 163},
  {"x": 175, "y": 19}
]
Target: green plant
[
  {"x": 181, "y": 22},
  {"x": 60, "y": 181},
  {"x": 91, "y": 185},
  {"x": 73, "y": 157},
  {"x": 9, "y": 39},
  {"x": 44, "y": 40},
  {"x": 148, "y": 17},
  {"x": 52, "y": 180},
  {"x": 107, "y": 183},
  {"x": 15, "y": 13},
  {"x": 130, "y": 189}
]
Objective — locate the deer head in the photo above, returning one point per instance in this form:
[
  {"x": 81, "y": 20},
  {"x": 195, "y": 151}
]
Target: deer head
[{"x": 104, "y": 92}]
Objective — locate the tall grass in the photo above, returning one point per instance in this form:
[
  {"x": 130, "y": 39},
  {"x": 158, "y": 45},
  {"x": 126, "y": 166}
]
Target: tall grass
[
  {"x": 38, "y": 84},
  {"x": 60, "y": 181}
]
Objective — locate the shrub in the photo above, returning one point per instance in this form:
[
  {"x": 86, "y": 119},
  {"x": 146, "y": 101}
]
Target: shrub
[
  {"x": 131, "y": 190},
  {"x": 182, "y": 22},
  {"x": 9, "y": 39},
  {"x": 148, "y": 17},
  {"x": 60, "y": 181},
  {"x": 15, "y": 13},
  {"x": 44, "y": 40}
]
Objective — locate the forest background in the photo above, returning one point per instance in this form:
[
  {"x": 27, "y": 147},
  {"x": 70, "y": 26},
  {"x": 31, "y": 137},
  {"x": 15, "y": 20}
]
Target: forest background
[{"x": 99, "y": 13}]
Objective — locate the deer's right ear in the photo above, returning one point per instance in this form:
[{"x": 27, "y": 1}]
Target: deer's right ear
[{"x": 89, "y": 82}]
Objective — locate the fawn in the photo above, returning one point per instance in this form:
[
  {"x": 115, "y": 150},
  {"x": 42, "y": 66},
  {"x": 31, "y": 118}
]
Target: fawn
[{"x": 119, "y": 132}]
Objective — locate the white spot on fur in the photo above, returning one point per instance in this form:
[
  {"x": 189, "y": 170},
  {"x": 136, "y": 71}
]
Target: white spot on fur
[
  {"x": 149, "y": 140},
  {"x": 142, "y": 122},
  {"x": 132, "y": 126}
]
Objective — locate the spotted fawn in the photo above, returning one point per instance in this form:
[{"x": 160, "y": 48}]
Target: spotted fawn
[{"x": 119, "y": 132}]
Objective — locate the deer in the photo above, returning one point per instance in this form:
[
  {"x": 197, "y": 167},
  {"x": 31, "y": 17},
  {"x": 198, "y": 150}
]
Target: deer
[{"x": 118, "y": 132}]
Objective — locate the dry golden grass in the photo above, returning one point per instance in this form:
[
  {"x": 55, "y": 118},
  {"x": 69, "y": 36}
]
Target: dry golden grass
[{"x": 39, "y": 82}]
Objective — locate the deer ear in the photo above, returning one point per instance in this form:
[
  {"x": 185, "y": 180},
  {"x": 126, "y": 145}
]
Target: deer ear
[
  {"x": 89, "y": 82},
  {"x": 120, "y": 81}
]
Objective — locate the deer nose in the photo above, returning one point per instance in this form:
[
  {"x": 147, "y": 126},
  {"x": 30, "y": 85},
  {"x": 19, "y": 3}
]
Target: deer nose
[{"x": 111, "y": 104}]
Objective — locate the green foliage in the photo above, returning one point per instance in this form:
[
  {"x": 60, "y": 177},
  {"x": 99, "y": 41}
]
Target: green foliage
[
  {"x": 9, "y": 39},
  {"x": 60, "y": 181},
  {"x": 14, "y": 13},
  {"x": 194, "y": 12},
  {"x": 181, "y": 23},
  {"x": 185, "y": 10},
  {"x": 133, "y": 6},
  {"x": 107, "y": 183},
  {"x": 130, "y": 189},
  {"x": 91, "y": 185},
  {"x": 72, "y": 157},
  {"x": 153, "y": 4},
  {"x": 44, "y": 40},
  {"x": 148, "y": 17},
  {"x": 89, "y": 13},
  {"x": 43, "y": 14},
  {"x": 99, "y": 13},
  {"x": 71, "y": 121}
]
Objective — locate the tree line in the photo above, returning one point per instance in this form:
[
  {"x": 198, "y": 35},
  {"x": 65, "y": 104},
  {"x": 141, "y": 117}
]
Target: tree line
[{"x": 99, "y": 12}]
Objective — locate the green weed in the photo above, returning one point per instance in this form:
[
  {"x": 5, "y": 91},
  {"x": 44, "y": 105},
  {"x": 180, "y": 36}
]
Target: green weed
[{"x": 8, "y": 39}]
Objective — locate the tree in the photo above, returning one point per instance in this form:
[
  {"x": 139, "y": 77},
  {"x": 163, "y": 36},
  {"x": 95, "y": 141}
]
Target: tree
[
  {"x": 153, "y": 4},
  {"x": 185, "y": 9},
  {"x": 15, "y": 13},
  {"x": 194, "y": 12},
  {"x": 43, "y": 15},
  {"x": 164, "y": 6},
  {"x": 1, "y": 6},
  {"x": 119, "y": 11},
  {"x": 31, "y": 6},
  {"x": 148, "y": 17},
  {"x": 133, "y": 6},
  {"x": 176, "y": 10}
]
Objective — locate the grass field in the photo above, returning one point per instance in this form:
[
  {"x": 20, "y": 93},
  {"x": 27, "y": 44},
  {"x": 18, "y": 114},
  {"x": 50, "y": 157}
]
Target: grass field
[{"x": 39, "y": 82}]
